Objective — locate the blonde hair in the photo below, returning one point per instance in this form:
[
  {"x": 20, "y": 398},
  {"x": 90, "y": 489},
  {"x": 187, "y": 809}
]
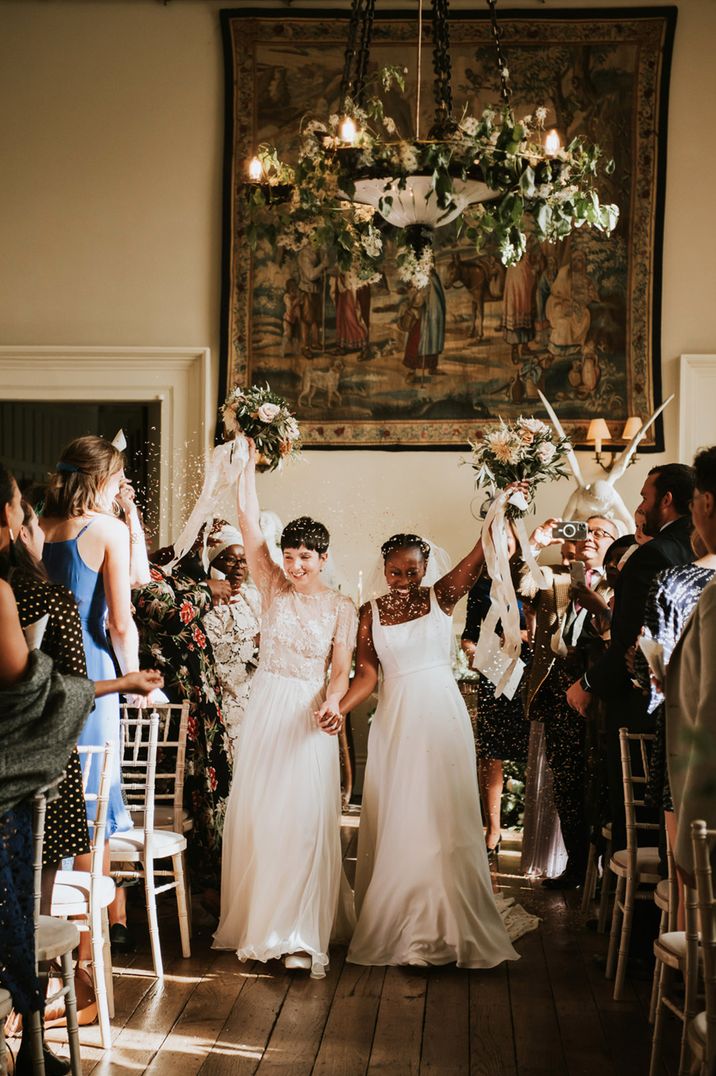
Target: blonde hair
[{"x": 83, "y": 468}]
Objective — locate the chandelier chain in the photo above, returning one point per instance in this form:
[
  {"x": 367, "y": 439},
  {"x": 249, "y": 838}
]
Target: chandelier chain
[
  {"x": 442, "y": 68},
  {"x": 501, "y": 61},
  {"x": 350, "y": 50},
  {"x": 420, "y": 69},
  {"x": 364, "y": 50}
]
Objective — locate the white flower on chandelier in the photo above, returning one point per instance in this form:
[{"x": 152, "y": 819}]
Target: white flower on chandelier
[
  {"x": 469, "y": 125},
  {"x": 416, "y": 269},
  {"x": 408, "y": 157},
  {"x": 541, "y": 115},
  {"x": 372, "y": 243}
]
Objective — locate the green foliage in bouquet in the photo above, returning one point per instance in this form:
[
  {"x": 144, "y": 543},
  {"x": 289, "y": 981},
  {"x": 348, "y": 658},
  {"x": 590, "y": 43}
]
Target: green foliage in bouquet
[{"x": 264, "y": 416}]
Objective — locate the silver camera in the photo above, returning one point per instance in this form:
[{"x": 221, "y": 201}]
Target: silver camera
[{"x": 571, "y": 530}]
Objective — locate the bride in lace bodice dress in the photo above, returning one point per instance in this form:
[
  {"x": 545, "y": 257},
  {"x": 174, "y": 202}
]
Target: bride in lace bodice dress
[
  {"x": 281, "y": 870},
  {"x": 423, "y": 888}
]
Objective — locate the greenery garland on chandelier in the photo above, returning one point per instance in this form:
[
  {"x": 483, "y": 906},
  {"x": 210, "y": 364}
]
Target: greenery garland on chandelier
[{"x": 496, "y": 175}]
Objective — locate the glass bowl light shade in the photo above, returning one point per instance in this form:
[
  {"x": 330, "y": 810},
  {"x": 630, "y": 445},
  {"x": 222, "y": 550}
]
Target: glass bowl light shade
[{"x": 417, "y": 203}]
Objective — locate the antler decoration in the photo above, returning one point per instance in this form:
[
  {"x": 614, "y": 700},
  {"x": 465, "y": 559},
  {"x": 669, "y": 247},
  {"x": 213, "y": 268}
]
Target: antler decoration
[{"x": 601, "y": 497}]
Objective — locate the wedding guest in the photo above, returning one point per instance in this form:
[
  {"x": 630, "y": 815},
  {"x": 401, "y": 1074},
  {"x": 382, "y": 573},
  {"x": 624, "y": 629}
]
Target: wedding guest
[
  {"x": 564, "y": 636},
  {"x": 671, "y": 601},
  {"x": 666, "y": 495},
  {"x": 42, "y": 714},
  {"x": 281, "y": 874},
  {"x": 169, "y": 613},
  {"x": 66, "y": 834},
  {"x": 502, "y": 731},
  {"x": 88, "y": 550},
  {"x": 691, "y": 687},
  {"x": 423, "y": 890},
  {"x": 233, "y": 629}
]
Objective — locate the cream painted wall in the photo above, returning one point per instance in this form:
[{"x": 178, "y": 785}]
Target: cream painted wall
[{"x": 111, "y": 117}]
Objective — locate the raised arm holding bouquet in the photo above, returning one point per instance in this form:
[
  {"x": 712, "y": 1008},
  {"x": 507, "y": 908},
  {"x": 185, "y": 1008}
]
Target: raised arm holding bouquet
[
  {"x": 526, "y": 452},
  {"x": 254, "y": 412}
]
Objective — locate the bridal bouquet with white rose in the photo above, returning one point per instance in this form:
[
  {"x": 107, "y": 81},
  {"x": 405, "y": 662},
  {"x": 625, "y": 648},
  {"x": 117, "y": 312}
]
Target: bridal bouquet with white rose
[
  {"x": 264, "y": 416},
  {"x": 527, "y": 450},
  {"x": 524, "y": 451}
]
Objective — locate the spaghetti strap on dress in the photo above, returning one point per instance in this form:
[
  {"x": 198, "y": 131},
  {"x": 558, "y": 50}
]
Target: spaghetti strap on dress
[{"x": 65, "y": 565}]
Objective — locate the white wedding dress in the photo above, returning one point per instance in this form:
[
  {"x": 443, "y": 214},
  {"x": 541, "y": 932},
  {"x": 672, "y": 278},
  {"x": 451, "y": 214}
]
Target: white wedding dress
[
  {"x": 423, "y": 889},
  {"x": 281, "y": 874}
]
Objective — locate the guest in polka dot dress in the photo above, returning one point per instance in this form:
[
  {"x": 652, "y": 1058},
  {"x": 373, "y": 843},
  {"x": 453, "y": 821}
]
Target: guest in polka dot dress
[{"x": 66, "y": 833}]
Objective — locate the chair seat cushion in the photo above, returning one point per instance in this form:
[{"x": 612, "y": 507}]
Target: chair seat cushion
[
  {"x": 128, "y": 846},
  {"x": 662, "y": 894},
  {"x": 696, "y": 1034},
  {"x": 164, "y": 819},
  {"x": 647, "y": 863},
  {"x": 72, "y": 892},
  {"x": 55, "y": 937}
]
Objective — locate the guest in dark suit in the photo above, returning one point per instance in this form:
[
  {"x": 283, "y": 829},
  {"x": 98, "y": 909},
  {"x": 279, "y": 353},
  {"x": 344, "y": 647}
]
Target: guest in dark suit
[{"x": 666, "y": 497}]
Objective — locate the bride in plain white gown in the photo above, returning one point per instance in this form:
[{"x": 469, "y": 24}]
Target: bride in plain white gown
[
  {"x": 423, "y": 889},
  {"x": 281, "y": 859}
]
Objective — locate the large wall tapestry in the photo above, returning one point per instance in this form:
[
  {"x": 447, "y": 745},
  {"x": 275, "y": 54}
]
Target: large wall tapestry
[{"x": 579, "y": 320}]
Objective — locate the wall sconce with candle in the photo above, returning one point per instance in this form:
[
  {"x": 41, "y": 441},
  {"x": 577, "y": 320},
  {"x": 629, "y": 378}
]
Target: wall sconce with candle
[{"x": 599, "y": 433}]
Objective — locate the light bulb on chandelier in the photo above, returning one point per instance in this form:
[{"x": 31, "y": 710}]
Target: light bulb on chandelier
[
  {"x": 256, "y": 170},
  {"x": 552, "y": 143},
  {"x": 348, "y": 131}
]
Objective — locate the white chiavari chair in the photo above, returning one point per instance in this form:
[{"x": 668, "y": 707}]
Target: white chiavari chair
[
  {"x": 633, "y": 866},
  {"x": 84, "y": 896},
  {"x": 144, "y": 844}
]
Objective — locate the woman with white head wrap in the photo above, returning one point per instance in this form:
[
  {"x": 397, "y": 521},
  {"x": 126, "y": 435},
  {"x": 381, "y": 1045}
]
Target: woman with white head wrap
[{"x": 233, "y": 629}]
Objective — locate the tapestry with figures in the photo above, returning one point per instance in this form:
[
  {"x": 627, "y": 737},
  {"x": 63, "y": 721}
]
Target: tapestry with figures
[{"x": 579, "y": 320}]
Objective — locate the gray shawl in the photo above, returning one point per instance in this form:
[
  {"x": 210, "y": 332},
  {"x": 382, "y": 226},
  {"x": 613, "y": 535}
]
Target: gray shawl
[{"x": 41, "y": 718}]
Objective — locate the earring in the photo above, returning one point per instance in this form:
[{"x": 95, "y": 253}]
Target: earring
[{"x": 12, "y": 536}]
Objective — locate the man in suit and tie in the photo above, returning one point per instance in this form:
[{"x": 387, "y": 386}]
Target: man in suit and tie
[
  {"x": 564, "y": 638},
  {"x": 665, "y": 500}
]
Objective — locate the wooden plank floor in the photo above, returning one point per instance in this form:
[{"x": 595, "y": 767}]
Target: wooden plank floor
[{"x": 550, "y": 1013}]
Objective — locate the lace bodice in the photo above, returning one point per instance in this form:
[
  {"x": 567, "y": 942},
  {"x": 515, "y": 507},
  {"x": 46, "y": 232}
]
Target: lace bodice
[{"x": 298, "y": 630}]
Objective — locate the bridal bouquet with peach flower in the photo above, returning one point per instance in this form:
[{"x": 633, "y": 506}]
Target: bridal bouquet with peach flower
[
  {"x": 527, "y": 450},
  {"x": 264, "y": 416}
]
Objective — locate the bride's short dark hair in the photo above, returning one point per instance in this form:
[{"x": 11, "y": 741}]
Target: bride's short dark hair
[
  {"x": 307, "y": 532},
  {"x": 404, "y": 541}
]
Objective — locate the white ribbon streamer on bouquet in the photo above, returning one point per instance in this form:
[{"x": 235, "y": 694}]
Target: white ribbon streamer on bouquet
[
  {"x": 498, "y": 658},
  {"x": 222, "y": 472}
]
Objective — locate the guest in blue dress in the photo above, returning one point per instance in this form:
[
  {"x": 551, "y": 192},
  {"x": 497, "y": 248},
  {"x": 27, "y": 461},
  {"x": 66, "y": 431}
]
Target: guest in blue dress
[{"x": 88, "y": 550}]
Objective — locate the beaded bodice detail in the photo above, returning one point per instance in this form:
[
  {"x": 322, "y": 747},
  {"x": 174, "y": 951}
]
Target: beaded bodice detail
[{"x": 298, "y": 630}]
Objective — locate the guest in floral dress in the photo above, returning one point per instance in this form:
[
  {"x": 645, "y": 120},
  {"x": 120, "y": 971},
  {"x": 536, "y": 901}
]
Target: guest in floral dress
[
  {"x": 233, "y": 629},
  {"x": 170, "y": 612}
]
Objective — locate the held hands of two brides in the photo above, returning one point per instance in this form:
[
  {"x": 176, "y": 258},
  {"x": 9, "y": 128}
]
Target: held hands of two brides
[{"x": 329, "y": 718}]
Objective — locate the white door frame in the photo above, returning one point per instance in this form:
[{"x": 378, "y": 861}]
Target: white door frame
[
  {"x": 697, "y": 390},
  {"x": 178, "y": 378}
]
